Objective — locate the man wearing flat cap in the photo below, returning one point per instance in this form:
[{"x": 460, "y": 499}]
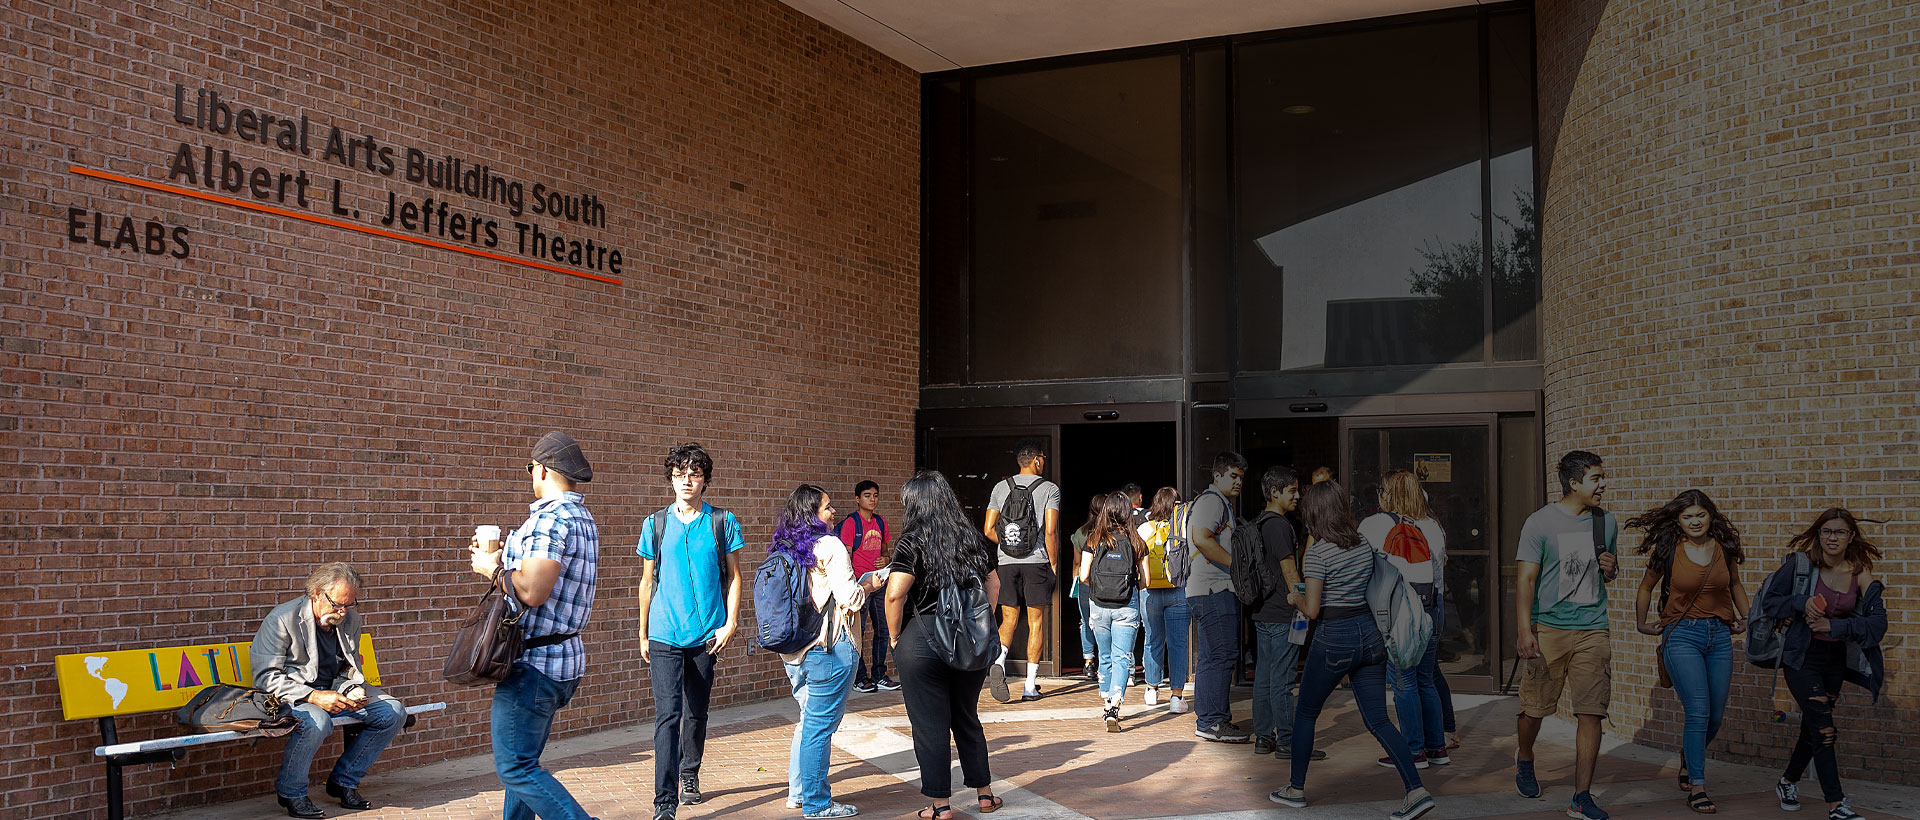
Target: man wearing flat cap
[{"x": 550, "y": 565}]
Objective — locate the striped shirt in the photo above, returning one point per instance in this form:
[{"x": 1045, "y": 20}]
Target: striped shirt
[
  {"x": 1344, "y": 572},
  {"x": 559, "y": 528}
]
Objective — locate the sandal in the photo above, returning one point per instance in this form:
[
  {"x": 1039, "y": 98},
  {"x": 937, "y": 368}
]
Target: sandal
[
  {"x": 1685, "y": 784},
  {"x": 934, "y": 813},
  {"x": 990, "y": 803},
  {"x": 1701, "y": 803}
]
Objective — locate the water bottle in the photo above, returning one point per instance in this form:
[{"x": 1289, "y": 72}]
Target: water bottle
[{"x": 1297, "y": 633}]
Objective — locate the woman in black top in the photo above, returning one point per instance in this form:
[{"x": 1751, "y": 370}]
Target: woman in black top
[{"x": 937, "y": 547}]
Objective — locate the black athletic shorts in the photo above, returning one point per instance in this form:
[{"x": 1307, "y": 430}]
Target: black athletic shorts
[{"x": 1027, "y": 585}]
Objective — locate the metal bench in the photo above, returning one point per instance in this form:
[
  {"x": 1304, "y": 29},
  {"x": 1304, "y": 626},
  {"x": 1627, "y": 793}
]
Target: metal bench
[{"x": 105, "y": 685}]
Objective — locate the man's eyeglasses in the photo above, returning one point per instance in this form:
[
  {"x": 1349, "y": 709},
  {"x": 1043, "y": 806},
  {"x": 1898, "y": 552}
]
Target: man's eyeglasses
[
  {"x": 686, "y": 475},
  {"x": 336, "y": 607}
]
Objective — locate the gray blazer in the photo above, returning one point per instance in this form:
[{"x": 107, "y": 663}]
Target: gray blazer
[{"x": 286, "y": 660}]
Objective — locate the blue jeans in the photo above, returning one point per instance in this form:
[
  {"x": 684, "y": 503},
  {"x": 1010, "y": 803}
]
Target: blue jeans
[
  {"x": 1698, "y": 653},
  {"x": 1216, "y": 620},
  {"x": 1165, "y": 615},
  {"x": 1348, "y": 648},
  {"x": 1416, "y": 697},
  {"x": 1114, "y": 630},
  {"x": 1276, "y": 679},
  {"x": 821, "y": 681},
  {"x": 383, "y": 718},
  {"x": 523, "y": 708},
  {"x": 1087, "y": 640},
  {"x": 875, "y": 613}
]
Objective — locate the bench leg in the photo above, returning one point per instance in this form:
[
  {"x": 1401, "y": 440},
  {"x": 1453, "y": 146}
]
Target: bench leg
[{"x": 108, "y": 737}]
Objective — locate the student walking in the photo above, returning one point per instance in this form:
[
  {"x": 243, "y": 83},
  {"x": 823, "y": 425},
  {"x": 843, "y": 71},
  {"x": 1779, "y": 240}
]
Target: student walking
[
  {"x": 821, "y": 673},
  {"x": 1348, "y": 644},
  {"x": 1834, "y": 619},
  {"x": 867, "y": 538},
  {"x": 1694, "y": 554},
  {"x": 1023, "y": 519},
  {"x": 939, "y": 549},
  {"x": 1566, "y": 557},
  {"x": 1088, "y": 644},
  {"x": 1111, "y": 566},
  {"x": 1417, "y": 546},
  {"x": 689, "y": 610},
  {"x": 1163, "y": 609}
]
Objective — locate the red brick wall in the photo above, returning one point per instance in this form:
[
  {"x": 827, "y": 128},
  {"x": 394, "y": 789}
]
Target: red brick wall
[
  {"x": 185, "y": 439},
  {"x": 1731, "y": 304}
]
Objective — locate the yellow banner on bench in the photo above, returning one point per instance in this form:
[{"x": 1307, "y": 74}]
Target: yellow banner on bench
[{"x": 132, "y": 681}]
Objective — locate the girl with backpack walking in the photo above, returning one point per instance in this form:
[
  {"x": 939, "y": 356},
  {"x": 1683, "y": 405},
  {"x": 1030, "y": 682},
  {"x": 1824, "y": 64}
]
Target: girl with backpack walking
[
  {"x": 1163, "y": 608},
  {"x": 1693, "y": 562},
  {"x": 1091, "y": 666},
  {"x": 821, "y": 672},
  {"x": 938, "y": 550},
  {"x": 1828, "y": 599},
  {"x": 1111, "y": 566},
  {"x": 1417, "y": 546},
  {"x": 1348, "y": 644}
]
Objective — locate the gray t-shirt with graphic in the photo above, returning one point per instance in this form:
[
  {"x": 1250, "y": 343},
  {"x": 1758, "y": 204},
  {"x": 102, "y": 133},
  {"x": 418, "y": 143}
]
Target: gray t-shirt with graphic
[
  {"x": 1570, "y": 594},
  {"x": 1046, "y": 497}
]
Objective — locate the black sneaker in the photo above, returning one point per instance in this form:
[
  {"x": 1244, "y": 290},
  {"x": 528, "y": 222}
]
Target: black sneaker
[
  {"x": 1224, "y": 733},
  {"x": 863, "y": 687},
  {"x": 997, "y": 683},
  {"x": 886, "y": 684},
  {"x": 1789, "y": 794},
  {"x": 1285, "y": 752},
  {"x": 1843, "y": 812},
  {"x": 1112, "y": 717},
  {"x": 690, "y": 790},
  {"x": 1263, "y": 745},
  {"x": 301, "y": 807}
]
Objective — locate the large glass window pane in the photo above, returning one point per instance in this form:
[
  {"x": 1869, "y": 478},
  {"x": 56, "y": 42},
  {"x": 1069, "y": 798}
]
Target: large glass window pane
[
  {"x": 1076, "y": 222},
  {"x": 944, "y": 313},
  {"x": 1213, "y": 201},
  {"x": 1357, "y": 158},
  {"x": 1516, "y": 221}
]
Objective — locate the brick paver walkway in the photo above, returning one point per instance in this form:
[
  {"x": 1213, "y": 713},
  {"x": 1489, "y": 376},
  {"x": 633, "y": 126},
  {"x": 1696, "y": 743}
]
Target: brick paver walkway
[{"x": 1056, "y": 761}]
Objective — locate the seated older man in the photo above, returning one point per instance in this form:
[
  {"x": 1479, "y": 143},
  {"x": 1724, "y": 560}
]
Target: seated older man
[{"x": 307, "y": 654}]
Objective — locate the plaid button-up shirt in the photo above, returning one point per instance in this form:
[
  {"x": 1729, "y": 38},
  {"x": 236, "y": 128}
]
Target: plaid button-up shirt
[{"x": 559, "y": 529}]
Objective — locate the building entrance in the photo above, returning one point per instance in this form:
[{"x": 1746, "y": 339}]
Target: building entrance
[{"x": 1457, "y": 459}]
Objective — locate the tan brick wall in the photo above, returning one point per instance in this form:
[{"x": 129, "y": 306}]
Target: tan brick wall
[
  {"x": 1731, "y": 303},
  {"x": 184, "y": 439}
]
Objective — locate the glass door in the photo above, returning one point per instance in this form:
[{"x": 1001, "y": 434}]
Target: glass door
[
  {"x": 974, "y": 460},
  {"x": 1454, "y": 458}
]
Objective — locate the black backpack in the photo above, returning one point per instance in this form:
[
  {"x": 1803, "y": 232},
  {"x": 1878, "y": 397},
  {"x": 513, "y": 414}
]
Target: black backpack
[
  {"x": 1253, "y": 580},
  {"x": 1019, "y": 524},
  {"x": 660, "y": 536},
  {"x": 1114, "y": 574},
  {"x": 961, "y": 627}
]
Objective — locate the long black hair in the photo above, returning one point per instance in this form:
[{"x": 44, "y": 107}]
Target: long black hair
[
  {"x": 1662, "y": 524},
  {"x": 950, "y": 546}
]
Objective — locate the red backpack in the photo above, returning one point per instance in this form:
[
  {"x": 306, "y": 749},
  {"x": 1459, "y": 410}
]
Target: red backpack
[{"x": 1407, "y": 543}]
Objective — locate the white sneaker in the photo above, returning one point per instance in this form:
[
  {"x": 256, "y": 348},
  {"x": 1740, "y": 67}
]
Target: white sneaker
[
  {"x": 1153, "y": 696},
  {"x": 1177, "y": 706}
]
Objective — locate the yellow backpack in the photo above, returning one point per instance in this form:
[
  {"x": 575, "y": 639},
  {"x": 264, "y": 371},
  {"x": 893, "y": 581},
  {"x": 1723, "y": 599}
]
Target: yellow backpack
[{"x": 1157, "y": 553}]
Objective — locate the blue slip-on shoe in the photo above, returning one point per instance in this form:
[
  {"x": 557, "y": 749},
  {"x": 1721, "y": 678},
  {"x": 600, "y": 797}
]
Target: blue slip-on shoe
[{"x": 1523, "y": 779}]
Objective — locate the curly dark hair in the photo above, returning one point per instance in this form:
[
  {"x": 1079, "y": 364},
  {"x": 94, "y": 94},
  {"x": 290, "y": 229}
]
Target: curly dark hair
[
  {"x": 1662, "y": 525},
  {"x": 950, "y": 546},
  {"x": 689, "y": 457}
]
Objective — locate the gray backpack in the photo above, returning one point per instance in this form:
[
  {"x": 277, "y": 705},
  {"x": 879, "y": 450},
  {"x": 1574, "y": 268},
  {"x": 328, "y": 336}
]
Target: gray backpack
[{"x": 1766, "y": 635}]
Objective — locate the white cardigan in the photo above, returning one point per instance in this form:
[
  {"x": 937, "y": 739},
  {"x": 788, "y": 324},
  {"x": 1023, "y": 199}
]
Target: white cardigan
[{"x": 832, "y": 575}]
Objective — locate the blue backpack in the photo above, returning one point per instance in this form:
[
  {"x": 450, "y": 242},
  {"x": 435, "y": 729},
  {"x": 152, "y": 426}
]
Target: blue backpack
[{"x": 783, "y": 605}]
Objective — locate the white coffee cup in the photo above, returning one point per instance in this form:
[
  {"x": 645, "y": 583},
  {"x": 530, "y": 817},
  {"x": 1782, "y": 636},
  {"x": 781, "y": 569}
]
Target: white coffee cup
[{"x": 488, "y": 535}]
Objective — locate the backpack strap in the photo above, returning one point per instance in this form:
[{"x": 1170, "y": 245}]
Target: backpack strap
[
  {"x": 659, "y": 523},
  {"x": 1599, "y": 530},
  {"x": 719, "y": 516}
]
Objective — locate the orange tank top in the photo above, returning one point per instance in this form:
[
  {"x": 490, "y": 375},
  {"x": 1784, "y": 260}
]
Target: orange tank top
[{"x": 1695, "y": 591}]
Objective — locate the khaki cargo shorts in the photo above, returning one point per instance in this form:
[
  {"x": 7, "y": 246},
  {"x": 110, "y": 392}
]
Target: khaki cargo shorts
[{"x": 1577, "y": 658}]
